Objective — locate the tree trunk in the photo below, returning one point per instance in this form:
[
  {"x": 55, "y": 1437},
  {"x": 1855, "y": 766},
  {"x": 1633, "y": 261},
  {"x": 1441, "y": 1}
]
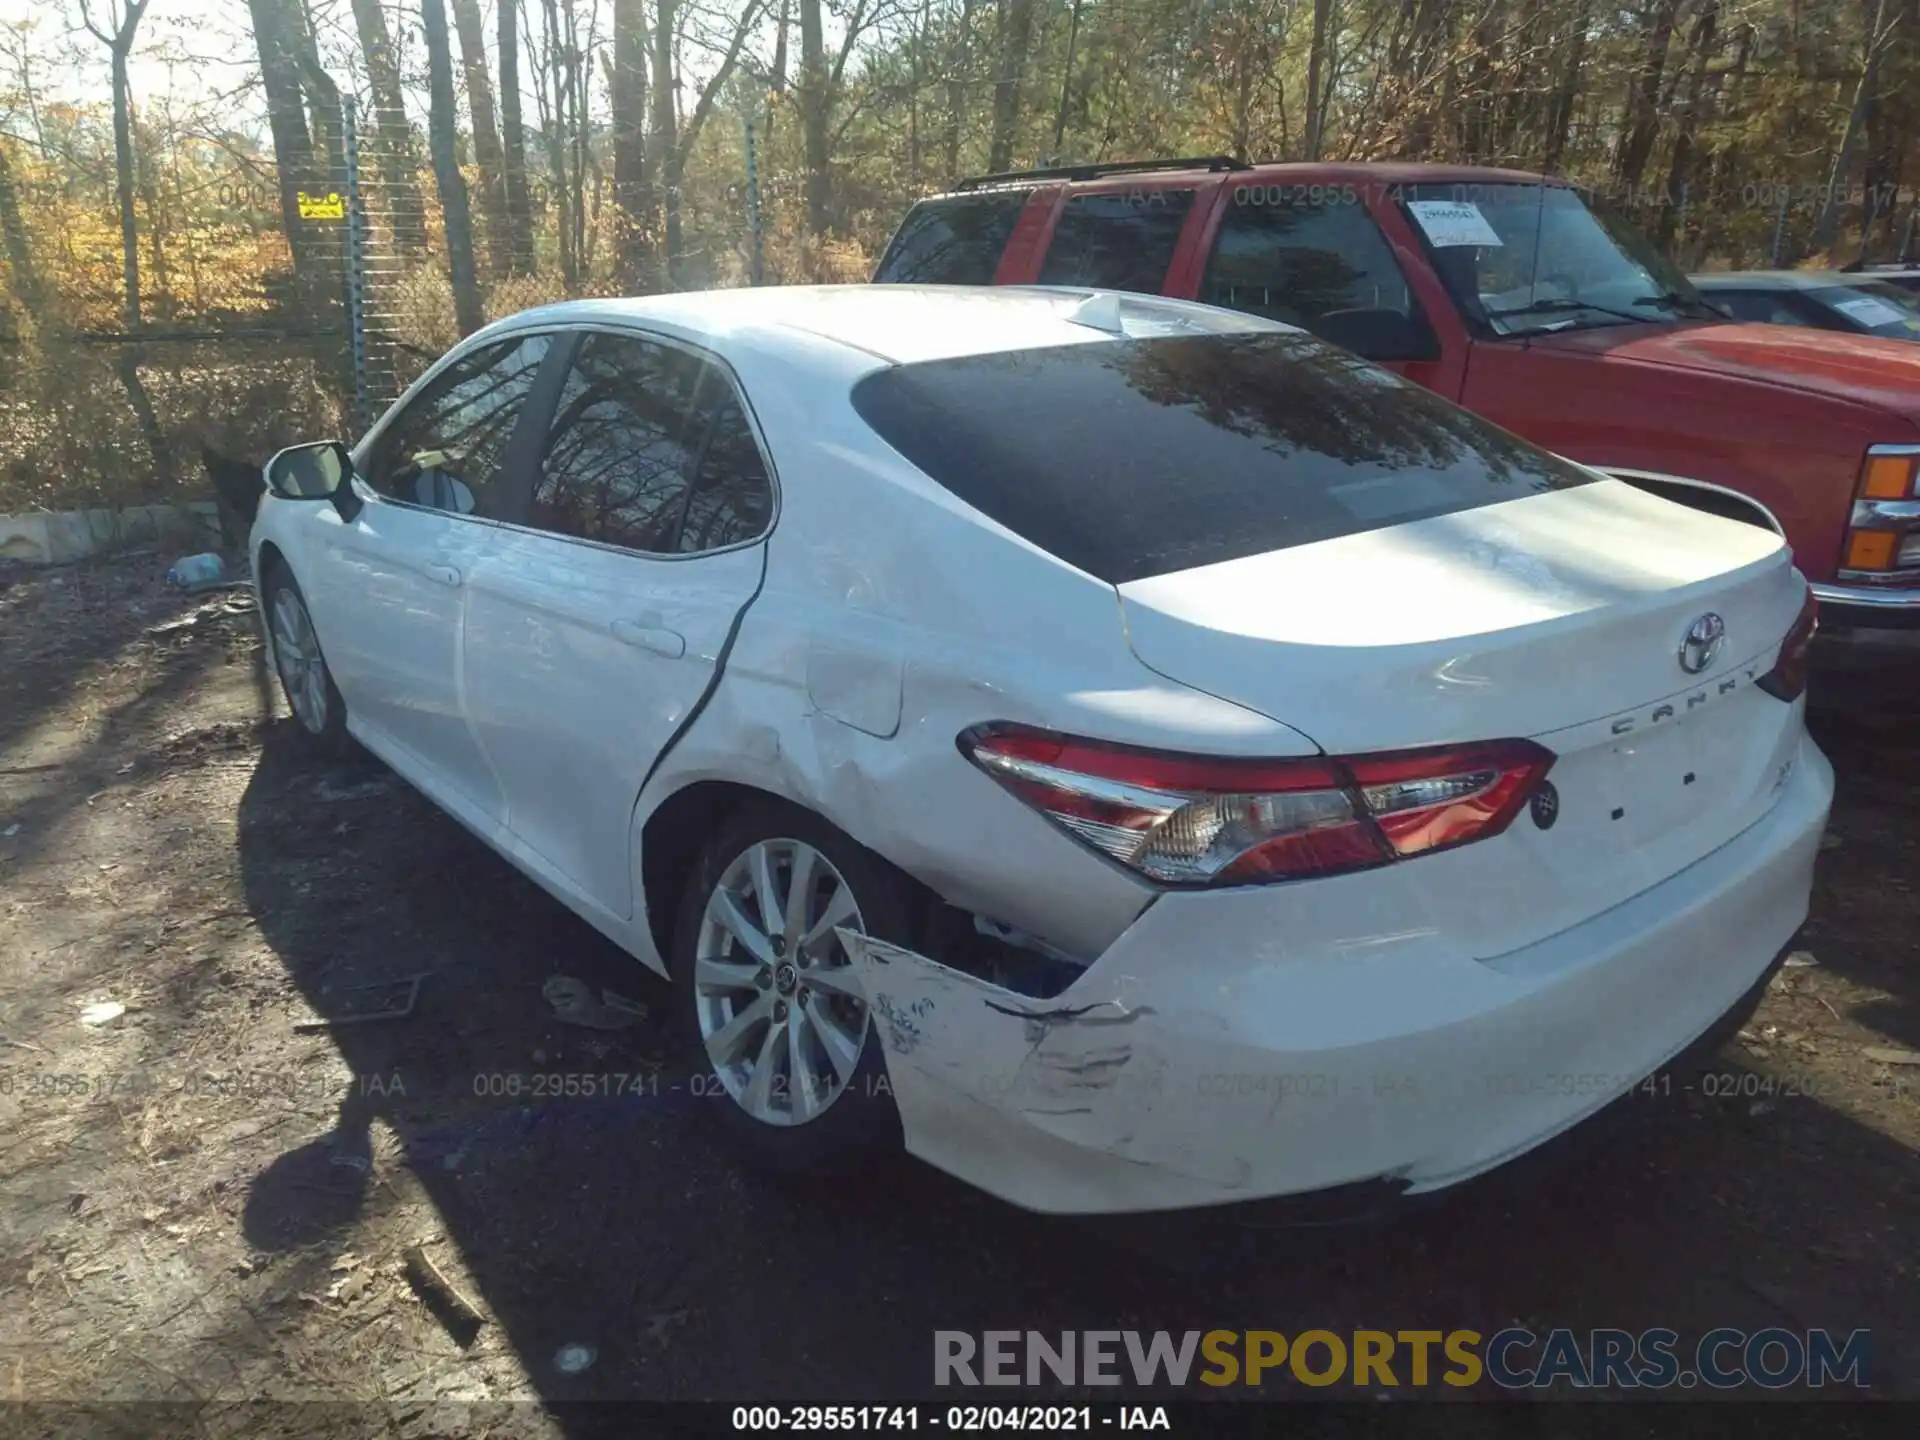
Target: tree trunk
[
  {"x": 1066, "y": 80},
  {"x": 957, "y": 87},
  {"x": 554, "y": 127},
  {"x": 813, "y": 116},
  {"x": 1700, "y": 45},
  {"x": 399, "y": 171},
  {"x": 123, "y": 187},
  {"x": 666, "y": 128},
  {"x": 120, "y": 45},
  {"x": 1560, "y": 110},
  {"x": 1642, "y": 121},
  {"x": 13, "y": 234},
  {"x": 1828, "y": 221},
  {"x": 486, "y": 135},
  {"x": 323, "y": 96},
  {"x": 1316, "y": 58},
  {"x": 456, "y": 216},
  {"x": 1016, "y": 39},
  {"x": 629, "y": 90},
  {"x": 513, "y": 144}
]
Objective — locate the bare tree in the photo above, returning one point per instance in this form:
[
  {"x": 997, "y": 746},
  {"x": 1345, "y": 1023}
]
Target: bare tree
[
  {"x": 513, "y": 142},
  {"x": 13, "y": 234},
  {"x": 486, "y": 134},
  {"x": 399, "y": 172},
  {"x": 1317, "y": 64},
  {"x": 119, "y": 42},
  {"x": 1016, "y": 40},
  {"x": 627, "y": 83},
  {"x": 1879, "y": 35},
  {"x": 287, "y": 118},
  {"x": 455, "y": 214}
]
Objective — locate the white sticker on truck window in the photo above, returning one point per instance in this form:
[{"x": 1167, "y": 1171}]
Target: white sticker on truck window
[
  {"x": 1869, "y": 311},
  {"x": 1449, "y": 222}
]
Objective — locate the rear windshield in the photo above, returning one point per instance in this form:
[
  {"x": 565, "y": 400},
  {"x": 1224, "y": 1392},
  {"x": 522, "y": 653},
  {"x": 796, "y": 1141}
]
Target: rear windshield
[{"x": 1133, "y": 458}]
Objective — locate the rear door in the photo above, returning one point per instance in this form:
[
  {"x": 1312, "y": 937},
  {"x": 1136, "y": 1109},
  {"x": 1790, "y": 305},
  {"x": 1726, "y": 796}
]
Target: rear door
[{"x": 600, "y": 622}]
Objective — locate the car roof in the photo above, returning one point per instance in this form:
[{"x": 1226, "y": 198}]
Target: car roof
[
  {"x": 892, "y": 324},
  {"x": 1775, "y": 279}
]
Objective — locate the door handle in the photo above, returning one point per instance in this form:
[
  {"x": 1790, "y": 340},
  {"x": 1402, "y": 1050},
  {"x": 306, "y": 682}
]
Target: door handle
[
  {"x": 657, "y": 638},
  {"x": 445, "y": 574}
]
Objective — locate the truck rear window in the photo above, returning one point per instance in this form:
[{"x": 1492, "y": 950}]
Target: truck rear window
[
  {"x": 1134, "y": 458},
  {"x": 955, "y": 240}
]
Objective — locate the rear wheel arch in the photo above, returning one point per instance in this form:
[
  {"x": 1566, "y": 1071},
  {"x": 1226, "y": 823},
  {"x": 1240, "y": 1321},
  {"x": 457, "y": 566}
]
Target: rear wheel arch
[{"x": 678, "y": 830}]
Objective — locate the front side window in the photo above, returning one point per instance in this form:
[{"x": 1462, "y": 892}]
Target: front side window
[
  {"x": 1134, "y": 458},
  {"x": 446, "y": 449},
  {"x": 1122, "y": 240},
  {"x": 1523, "y": 259},
  {"x": 954, "y": 240},
  {"x": 1319, "y": 263},
  {"x": 622, "y": 445}
]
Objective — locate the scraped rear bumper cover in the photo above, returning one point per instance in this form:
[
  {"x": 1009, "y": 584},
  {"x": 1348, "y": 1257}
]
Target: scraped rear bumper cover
[{"x": 1231, "y": 1047}]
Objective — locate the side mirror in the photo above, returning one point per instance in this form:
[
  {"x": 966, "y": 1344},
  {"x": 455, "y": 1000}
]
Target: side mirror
[
  {"x": 322, "y": 471},
  {"x": 1379, "y": 334}
]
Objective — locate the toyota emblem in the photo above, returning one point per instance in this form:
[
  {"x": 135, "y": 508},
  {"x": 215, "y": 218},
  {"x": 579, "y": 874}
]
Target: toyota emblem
[{"x": 1704, "y": 638}]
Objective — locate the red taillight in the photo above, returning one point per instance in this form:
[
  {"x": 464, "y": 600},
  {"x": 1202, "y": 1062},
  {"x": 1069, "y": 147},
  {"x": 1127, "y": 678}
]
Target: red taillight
[
  {"x": 1788, "y": 678},
  {"x": 1193, "y": 820}
]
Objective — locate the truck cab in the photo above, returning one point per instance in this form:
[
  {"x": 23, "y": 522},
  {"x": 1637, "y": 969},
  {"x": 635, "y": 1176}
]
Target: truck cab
[{"x": 1511, "y": 294}]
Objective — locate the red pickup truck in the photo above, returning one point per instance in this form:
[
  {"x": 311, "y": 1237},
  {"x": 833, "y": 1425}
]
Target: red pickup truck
[{"x": 1508, "y": 293}]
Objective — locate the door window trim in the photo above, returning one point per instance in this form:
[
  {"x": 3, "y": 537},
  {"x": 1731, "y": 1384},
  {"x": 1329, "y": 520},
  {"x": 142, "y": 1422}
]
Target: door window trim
[{"x": 522, "y": 495}]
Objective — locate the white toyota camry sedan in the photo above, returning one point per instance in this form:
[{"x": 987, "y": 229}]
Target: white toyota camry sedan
[{"x": 1135, "y": 755}]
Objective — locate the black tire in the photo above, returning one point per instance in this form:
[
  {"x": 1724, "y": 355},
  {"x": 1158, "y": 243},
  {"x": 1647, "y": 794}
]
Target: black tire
[
  {"x": 330, "y": 738},
  {"x": 861, "y": 1122}
]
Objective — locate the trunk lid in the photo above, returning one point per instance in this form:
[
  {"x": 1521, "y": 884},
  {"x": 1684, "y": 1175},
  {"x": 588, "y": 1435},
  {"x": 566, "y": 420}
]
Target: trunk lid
[{"x": 1558, "y": 617}]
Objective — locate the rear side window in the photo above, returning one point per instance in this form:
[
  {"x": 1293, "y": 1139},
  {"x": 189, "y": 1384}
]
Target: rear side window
[
  {"x": 956, "y": 240},
  {"x": 732, "y": 499},
  {"x": 1134, "y": 458},
  {"x": 1120, "y": 241}
]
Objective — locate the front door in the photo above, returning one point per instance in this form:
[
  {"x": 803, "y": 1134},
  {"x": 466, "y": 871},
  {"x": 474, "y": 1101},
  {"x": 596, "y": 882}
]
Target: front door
[
  {"x": 393, "y": 581},
  {"x": 597, "y": 626}
]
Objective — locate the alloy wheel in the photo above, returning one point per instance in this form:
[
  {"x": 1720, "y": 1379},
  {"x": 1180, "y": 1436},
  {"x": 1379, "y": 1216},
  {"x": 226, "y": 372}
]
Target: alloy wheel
[
  {"x": 781, "y": 1008},
  {"x": 303, "y": 672}
]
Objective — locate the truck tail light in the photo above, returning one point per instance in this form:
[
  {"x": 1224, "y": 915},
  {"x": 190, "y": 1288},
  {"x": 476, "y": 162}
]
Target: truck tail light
[
  {"x": 1185, "y": 820},
  {"x": 1883, "y": 533},
  {"x": 1788, "y": 678}
]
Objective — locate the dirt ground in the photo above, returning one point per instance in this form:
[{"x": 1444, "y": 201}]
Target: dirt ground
[{"x": 204, "y": 1202}]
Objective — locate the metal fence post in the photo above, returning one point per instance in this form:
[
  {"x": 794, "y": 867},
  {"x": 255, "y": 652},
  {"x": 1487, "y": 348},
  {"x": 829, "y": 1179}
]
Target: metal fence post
[
  {"x": 1780, "y": 226},
  {"x": 356, "y": 270},
  {"x": 756, "y": 239}
]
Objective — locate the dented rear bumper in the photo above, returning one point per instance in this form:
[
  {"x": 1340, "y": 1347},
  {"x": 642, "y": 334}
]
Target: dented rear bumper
[{"x": 1264, "y": 1042}]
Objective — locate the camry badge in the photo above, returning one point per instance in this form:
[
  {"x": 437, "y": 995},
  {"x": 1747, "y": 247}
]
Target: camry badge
[{"x": 1703, "y": 642}]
